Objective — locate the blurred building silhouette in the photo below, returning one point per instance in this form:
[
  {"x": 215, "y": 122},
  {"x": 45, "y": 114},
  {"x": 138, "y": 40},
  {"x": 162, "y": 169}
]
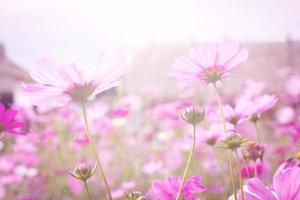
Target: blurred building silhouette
[
  {"x": 269, "y": 62},
  {"x": 11, "y": 75}
]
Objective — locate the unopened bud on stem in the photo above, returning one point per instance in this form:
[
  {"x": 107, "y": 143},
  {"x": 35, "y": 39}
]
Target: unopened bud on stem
[
  {"x": 83, "y": 171},
  {"x": 193, "y": 115}
]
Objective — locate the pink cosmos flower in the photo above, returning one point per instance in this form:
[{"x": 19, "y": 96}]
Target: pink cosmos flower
[
  {"x": 259, "y": 105},
  {"x": 8, "y": 123},
  {"x": 210, "y": 136},
  {"x": 286, "y": 186},
  {"x": 210, "y": 63},
  {"x": 57, "y": 84},
  {"x": 237, "y": 114},
  {"x": 167, "y": 189}
]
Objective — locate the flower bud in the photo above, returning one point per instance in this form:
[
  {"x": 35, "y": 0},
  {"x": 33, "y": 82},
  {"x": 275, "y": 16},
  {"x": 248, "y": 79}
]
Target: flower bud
[
  {"x": 234, "y": 141},
  {"x": 253, "y": 151},
  {"x": 250, "y": 171},
  {"x": 193, "y": 115},
  {"x": 212, "y": 140},
  {"x": 83, "y": 171},
  {"x": 136, "y": 196}
]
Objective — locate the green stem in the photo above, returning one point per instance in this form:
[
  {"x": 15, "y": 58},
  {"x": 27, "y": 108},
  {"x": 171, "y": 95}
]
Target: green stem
[
  {"x": 188, "y": 164},
  {"x": 220, "y": 105},
  {"x": 257, "y": 131},
  {"x": 240, "y": 174},
  {"x": 87, "y": 190},
  {"x": 93, "y": 148},
  {"x": 225, "y": 130},
  {"x": 231, "y": 174}
]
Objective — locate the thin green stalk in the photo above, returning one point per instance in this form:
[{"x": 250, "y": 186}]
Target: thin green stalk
[
  {"x": 188, "y": 164},
  {"x": 87, "y": 190},
  {"x": 220, "y": 105},
  {"x": 257, "y": 131},
  {"x": 231, "y": 174},
  {"x": 225, "y": 130},
  {"x": 240, "y": 174},
  {"x": 93, "y": 148}
]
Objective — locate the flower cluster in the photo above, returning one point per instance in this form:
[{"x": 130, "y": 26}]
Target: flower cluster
[{"x": 154, "y": 148}]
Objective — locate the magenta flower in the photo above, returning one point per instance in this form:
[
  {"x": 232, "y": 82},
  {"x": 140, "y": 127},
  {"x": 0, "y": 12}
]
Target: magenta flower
[
  {"x": 248, "y": 171},
  {"x": 8, "y": 123},
  {"x": 63, "y": 83},
  {"x": 167, "y": 189},
  {"x": 210, "y": 63},
  {"x": 286, "y": 186},
  {"x": 120, "y": 112}
]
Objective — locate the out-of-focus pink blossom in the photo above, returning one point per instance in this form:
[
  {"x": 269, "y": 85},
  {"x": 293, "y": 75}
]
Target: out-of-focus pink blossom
[
  {"x": 168, "y": 113},
  {"x": 152, "y": 167},
  {"x": 292, "y": 86},
  {"x": 259, "y": 105},
  {"x": 292, "y": 94},
  {"x": 120, "y": 112},
  {"x": 210, "y": 63},
  {"x": 237, "y": 114},
  {"x": 63, "y": 83},
  {"x": 292, "y": 129},
  {"x": 125, "y": 188},
  {"x": 117, "y": 193},
  {"x": 8, "y": 123},
  {"x": 285, "y": 115},
  {"x": 75, "y": 185},
  {"x": 81, "y": 140},
  {"x": 167, "y": 189},
  {"x": 210, "y": 136}
]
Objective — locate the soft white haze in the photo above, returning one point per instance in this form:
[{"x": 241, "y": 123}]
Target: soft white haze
[{"x": 77, "y": 30}]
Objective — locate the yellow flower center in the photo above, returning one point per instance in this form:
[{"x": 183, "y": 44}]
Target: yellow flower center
[
  {"x": 81, "y": 92},
  {"x": 213, "y": 75},
  {"x": 297, "y": 155}
]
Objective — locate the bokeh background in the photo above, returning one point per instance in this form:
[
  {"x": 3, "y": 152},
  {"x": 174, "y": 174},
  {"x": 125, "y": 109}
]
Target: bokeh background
[{"x": 152, "y": 33}]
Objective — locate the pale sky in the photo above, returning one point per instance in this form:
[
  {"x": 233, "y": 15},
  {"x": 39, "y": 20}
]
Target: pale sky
[{"x": 76, "y": 31}]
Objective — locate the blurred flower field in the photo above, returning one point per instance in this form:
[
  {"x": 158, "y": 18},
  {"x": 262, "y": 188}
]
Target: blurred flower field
[{"x": 83, "y": 138}]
